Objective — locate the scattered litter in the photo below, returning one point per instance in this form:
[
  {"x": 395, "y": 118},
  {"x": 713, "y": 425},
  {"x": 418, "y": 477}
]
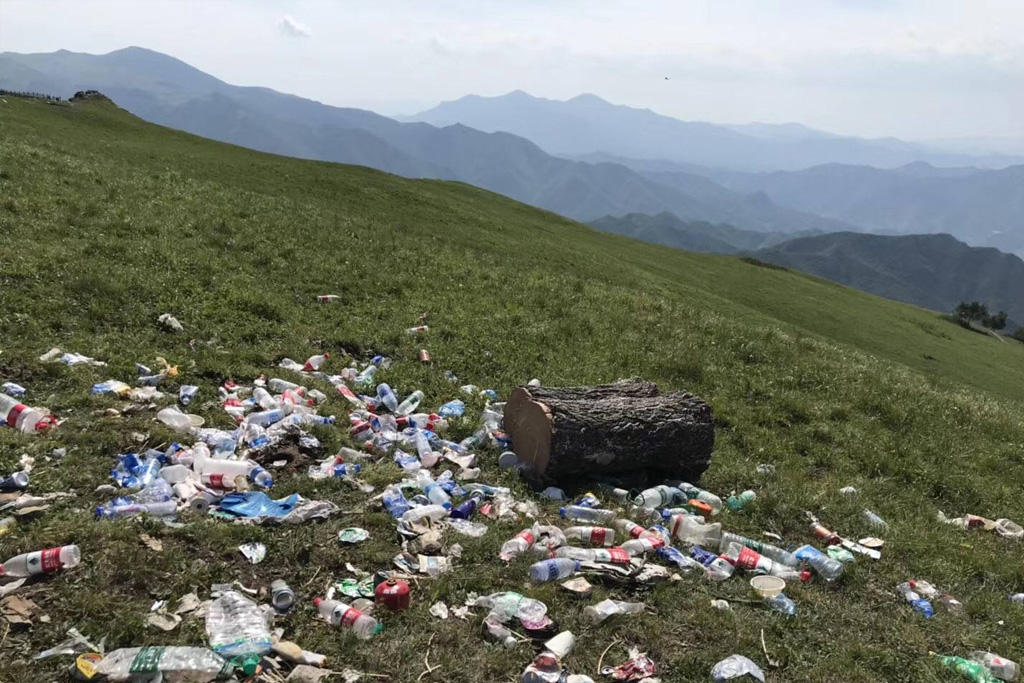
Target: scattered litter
[
  {"x": 637, "y": 667},
  {"x": 736, "y": 666},
  {"x": 56, "y": 354},
  {"x": 871, "y": 542},
  {"x": 151, "y": 543},
  {"x": 254, "y": 552},
  {"x": 187, "y": 604},
  {"x": 1003, "y": 527},
  {"x": 766, "y": 469},
  {"x": 439, "y": 610},
  {"x": 353, "y": 535},
  {"x": 75, "y": 644},
  {"x": 163, "y": 621},
  {"x": 848, "y": 491},
  {"x": 18, "y": 611},
  {"x": 170, "y": 323},
  {"x": 12, "y": 389},
  {"x": 721, "y": 605}
]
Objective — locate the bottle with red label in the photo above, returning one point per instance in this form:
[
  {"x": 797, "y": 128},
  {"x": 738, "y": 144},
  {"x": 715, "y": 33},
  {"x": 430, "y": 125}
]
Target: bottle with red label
[
  {"x": 517, "y": 545},
  {"x": 42, "y": 562},
  {"x": 592, "y": 535},
  {"x": 314, "y": 362},
  {"x": 338, "y": 613},
  {"x": 26, "y": 420},
  {"x": 642, "y": 546}
]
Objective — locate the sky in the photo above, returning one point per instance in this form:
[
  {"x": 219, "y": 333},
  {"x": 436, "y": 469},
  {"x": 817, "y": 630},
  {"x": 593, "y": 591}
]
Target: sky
[{"x": 915, "y": 69}]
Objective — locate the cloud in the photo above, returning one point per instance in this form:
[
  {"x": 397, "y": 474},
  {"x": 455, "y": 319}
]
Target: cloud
[{"x": 292, "y": 28}]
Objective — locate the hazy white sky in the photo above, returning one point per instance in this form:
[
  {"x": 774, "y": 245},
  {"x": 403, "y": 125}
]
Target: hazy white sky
[{"x": 909, "y": 68}]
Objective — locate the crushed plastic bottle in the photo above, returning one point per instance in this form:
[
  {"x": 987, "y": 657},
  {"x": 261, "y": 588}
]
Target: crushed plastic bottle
[
  {"x": 545, "y": 668},
  {"x": 781, "y": 603},
  {"x": 825, "y": 566},
  {"x": 1000, "y": 667},
  {"x": 609, "y": 608},
  {"x": 692, "y": 530},
  {"x": 659, "y": 496},
  {"x": 739, "y": 501},
  {"x": 411, "y": 403},
  {"x": 237, "y": 629},
  {"x": 874, "y": 520},
  {"x": 592, "y": 535},
  {"x": 192, "y": 664}
]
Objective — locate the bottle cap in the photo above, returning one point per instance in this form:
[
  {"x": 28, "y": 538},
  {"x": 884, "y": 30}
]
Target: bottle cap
[
  {"x": 561, "y": 511},
  {"x": 317, "y": 601}
]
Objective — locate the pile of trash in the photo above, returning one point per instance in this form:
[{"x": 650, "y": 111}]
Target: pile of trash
[{"x": 611, "y": 534}]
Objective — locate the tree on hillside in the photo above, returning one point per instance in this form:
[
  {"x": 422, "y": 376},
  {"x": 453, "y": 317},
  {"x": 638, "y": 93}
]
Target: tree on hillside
[
  {"x": 1019, "y": 335},
  {"x": 996, "y": 322},
  {"x": 967, "y": 313}
]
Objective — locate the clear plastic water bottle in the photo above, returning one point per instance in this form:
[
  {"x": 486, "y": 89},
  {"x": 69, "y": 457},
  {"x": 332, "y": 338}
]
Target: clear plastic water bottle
[
  {"x": 773, "y": 553},
  {"x": 193, "y": 664},
  {"x": 551, "y": 570},
  {"x": 593, "y": 535},
  {"x": 693, "y": 531},
  {"x": 261, "y": 477},
  {"x": 781, "y": 603},
  {"x": 338, "y": 613},
  {"x": 280, "y": 386},
  {"x": 592, "y": 515},
  {"x": 387, "y": 397},
  {"x": 659, "y": 496},
  {"x": 874, "y": 520},
  {"x": 916, "y": 601},
  {"x": 434, "y": 493},
  {"x": 118, "y": 511},
  {"x": 642, "y": 546},
  {"x": 825, "y": 566},
  {"x": 26, "y": 420},
  {"x": 315, "y": 362},
  {"x": 237, "y": 629},
  {"x": 691, "y": 491},
  {"x": 265, "y": 418},
  {"x": 1000, "y": 667},
  {"x": 42, "y": 562},
  {"x": 517, "y": 545},
  {"x": 395, "y": 502},
  {"x": 411, "y": 403}
]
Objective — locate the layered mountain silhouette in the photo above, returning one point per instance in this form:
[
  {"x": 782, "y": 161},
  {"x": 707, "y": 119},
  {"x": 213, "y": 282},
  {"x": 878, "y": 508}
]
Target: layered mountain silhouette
[
  {"x": 933, "y": 271},
  {"x": 588, "y": 124},
  {"x": 167, "y": 91}
]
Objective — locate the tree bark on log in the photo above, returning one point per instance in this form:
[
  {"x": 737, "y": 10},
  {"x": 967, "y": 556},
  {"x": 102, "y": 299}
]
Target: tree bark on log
[{"x": 608, "y": 429}]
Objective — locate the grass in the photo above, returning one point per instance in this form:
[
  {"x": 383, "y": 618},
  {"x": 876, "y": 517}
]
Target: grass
[{"x": 106, "y": 222}]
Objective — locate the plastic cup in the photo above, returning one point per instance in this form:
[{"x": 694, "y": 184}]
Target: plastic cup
[{"x": 767, "y": 586}]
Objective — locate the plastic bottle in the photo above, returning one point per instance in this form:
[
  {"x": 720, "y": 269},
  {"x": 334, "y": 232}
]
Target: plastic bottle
[
  {"x": 261, "y": 477},
  {"x": 629, "y": 528},
  {"x": 345, "y": 470},
  {"x": 237, "y": 629},
  {"x": 916, "y": 601},
  {"x": 26, "y": 420},
  {"x": 642, "y": 546},
  {"x": 42, "y": 562},
  {"x": 874, "y": 520},
  {"x": 193, "y": 664},
  {"x": 465, "y": 509},
  {"x": 226, "y": 468},
  {"x": 411, "y": 403},
  {"x": 593, "y": 535},
  {"x": 432, "y": 512},
  {"x": 1000, "y": 667},
  {"x": 781, "y": 603},
  {"x": 117, "y": 511},
  {"x": 315, "y": 362},
  {"x": 280, "y": 386},
  {"x": 691, "y": 491},
  {"x": 678, "y": 558},
  {"x": 658, "y": 496},
  {"x": 435, "y": 494},
  {"x": 693, "y": 531},
  {"x": 265, "y": 418},
  {"x": 517, "y": 545},
  {"x": 975, "y": 671},
  {"x": 773, "y": 553},
  {"x": 339, "y": 614},
  {"x": 608, "y": 608},
  {"x": 743, "y": 557},
  {"x": 418, "y": 329},
  {"x": 719, "y": 569},
  {"x": 16, "y": 482},
  {"x": 387, "y": 397},
  {"x": 550, "y": 570},
  {"x": 825, "y": 566},
  {"x": 738, "y": 502},
  {"x": 394, "y": 502},
  {"x": 582, "y": 514}
]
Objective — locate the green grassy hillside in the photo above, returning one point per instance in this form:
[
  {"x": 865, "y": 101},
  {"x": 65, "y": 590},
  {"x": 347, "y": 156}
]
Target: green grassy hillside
[{"x": 107, "y": 222}]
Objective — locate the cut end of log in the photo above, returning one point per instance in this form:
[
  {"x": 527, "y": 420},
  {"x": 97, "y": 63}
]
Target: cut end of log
[{"x": 627, "y": 426}]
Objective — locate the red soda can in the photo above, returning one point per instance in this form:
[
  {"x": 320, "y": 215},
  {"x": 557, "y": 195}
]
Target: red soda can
[{"x": 424, "y": 356}]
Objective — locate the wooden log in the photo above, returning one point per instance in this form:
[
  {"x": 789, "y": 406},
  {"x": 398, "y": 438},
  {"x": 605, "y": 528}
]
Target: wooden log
[{"x": 614, "y": 428}]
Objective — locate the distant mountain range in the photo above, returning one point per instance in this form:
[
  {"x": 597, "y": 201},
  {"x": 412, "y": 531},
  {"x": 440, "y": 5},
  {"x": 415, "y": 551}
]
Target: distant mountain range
[
  {"x": 932, "y": 271},
  {"x": 167, "y": 91},
  {"x": 587, "y": 124},
  {"x": 671, "y": 231}
]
